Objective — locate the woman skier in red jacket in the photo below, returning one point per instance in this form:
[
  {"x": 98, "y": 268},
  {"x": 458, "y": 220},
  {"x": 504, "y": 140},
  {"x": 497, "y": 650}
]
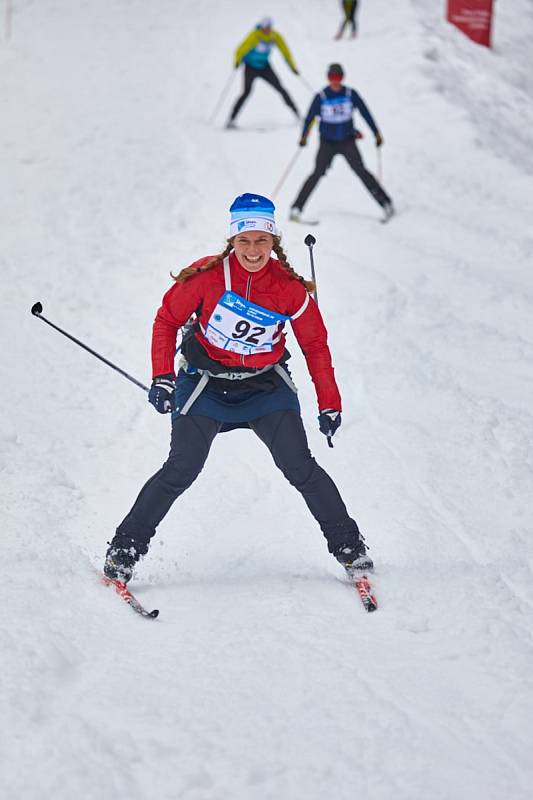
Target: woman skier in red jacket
[{"x": 232, "y": 373}]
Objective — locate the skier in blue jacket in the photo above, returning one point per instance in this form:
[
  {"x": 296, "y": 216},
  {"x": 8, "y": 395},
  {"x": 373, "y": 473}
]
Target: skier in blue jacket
[{"x": 335, "y": 106}]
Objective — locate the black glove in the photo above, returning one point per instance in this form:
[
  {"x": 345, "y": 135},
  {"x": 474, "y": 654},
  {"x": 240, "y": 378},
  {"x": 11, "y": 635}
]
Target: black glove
[
  {"x": 329, "y": 421},
  {"x": 161, "y": 393},
  {"x": 302, "y": 142},
  {"x": 379, "y": 139}
]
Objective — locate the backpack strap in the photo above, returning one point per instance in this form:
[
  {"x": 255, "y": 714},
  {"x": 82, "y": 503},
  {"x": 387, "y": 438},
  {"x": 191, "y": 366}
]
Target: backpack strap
[
  {"x": 195, "y": 394},
  {"x": 227, "y": 275}
]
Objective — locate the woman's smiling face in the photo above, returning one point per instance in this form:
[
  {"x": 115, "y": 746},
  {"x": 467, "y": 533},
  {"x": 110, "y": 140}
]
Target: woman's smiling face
[{"x": 253, "y": 249}]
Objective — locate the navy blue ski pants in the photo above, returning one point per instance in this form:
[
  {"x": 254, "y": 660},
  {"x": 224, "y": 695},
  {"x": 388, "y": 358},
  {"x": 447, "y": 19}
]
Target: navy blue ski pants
[
  {"x": 325, "y": 155},
  {"x": 284, "y": 435}
]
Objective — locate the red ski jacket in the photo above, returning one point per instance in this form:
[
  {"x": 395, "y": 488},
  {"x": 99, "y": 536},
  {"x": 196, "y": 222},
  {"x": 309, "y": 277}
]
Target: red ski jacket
[{"x": 272, "y": 288}]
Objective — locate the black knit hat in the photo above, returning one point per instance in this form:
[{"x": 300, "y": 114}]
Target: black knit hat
[{"x": 335, "y": 69}]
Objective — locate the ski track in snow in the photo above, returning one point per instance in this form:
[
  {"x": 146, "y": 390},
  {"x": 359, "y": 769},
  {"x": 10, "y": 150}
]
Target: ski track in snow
[{"x": 263, "y": 678}]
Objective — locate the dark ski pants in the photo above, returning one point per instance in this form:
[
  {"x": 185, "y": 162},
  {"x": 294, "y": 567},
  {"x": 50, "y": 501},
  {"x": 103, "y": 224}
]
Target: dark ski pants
[
  {"x": 326, "y": 153},
  {"x": 349, "y": 8},
  {"x": 268, "y": 75},
  {"x": 284, "y": 435}
]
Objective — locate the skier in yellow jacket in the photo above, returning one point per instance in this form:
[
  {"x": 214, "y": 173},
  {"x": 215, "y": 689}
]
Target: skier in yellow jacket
[{"x": 254, "y": 51}]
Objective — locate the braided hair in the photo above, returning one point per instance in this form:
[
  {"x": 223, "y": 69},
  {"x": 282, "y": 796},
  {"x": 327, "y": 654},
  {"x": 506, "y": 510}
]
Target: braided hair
[
  {"x": 188, "y": 272},
  {"x": 284, "y": 261}
]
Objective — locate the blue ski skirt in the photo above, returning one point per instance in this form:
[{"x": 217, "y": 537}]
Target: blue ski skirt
[{"x": 234, "y": 403}]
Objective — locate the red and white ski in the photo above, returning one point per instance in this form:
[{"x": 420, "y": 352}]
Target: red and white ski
[
  {"x": 366, "y": 593},
  {"x": 122, "y": 590}
]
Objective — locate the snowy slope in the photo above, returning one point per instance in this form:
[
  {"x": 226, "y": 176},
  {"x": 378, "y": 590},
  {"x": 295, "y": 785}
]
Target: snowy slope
[{"x": 263, "y": 678}]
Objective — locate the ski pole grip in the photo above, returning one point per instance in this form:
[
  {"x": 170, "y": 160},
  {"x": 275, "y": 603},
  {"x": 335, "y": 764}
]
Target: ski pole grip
[
  {"x": 37, "y": 309},
  {"x": 310, "y": 241}
]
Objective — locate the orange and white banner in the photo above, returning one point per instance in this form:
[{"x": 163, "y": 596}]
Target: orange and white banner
[{"x": 473, "y": 17}]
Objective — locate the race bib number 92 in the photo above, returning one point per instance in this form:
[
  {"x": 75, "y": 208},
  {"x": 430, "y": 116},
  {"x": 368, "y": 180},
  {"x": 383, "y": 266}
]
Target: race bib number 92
[{"x": 243, "y": 327}]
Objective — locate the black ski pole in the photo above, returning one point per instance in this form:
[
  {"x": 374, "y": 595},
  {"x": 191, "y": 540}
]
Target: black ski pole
[
  {"x": 222, "y": 97},
  {"x": 284, "y": 177},
  {"x": 307, "y": 85},
  {"x": 310, "y": 241},
  {"x": 380, "y": 164},
  {"x": 37, "y": 309}
]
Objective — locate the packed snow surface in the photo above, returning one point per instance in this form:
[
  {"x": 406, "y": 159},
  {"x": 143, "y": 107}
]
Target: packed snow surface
[{"x": 263, "y": 678}]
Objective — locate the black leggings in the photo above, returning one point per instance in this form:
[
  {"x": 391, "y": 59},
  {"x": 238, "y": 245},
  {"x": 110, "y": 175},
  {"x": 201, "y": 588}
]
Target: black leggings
[
  {"x": 326, "y": 153},
  {"x": 284, "y": 435},
  {"x": 349, "y": 8},
  {"x": 268, "y": 75}
]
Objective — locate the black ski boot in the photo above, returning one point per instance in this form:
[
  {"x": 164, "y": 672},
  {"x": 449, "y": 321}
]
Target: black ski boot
[
  {"x": 354, "y": 558},
  {"x": 121, "y": 557}
]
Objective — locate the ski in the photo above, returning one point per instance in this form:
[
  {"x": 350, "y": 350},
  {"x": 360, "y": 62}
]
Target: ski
[
  {"x": 122, "y": 590},
  {"x": 366, "y": 593}
]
